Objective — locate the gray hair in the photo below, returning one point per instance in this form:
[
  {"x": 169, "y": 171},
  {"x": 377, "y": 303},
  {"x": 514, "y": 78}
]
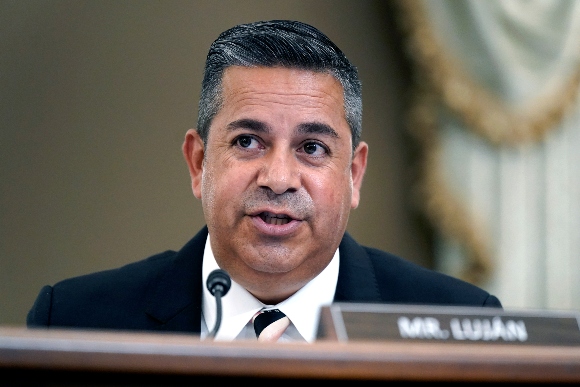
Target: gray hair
[{"x": 274, "y": 43}]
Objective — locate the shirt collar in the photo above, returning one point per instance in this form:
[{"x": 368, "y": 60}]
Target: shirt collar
[{"x": 239, "y": 305}]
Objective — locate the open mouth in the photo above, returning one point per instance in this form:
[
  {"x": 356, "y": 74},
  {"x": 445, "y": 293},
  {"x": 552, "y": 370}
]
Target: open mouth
[{"x": 275, "y": 219}]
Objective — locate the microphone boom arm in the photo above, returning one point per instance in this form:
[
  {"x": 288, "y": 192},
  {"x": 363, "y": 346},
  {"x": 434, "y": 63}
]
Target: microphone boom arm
[{"x": 218, "y": 283}]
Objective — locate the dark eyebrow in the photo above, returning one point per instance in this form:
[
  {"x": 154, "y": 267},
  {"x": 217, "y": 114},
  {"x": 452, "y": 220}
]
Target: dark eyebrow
[
  {"x": 248, "y": 123},
  {"x": 317, "y": 127},
  {"x": 259, "y": 126}
]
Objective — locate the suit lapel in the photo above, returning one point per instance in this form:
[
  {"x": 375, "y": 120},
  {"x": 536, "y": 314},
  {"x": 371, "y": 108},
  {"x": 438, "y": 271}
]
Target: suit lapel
[
  {"x": 356, "y": 277},
  {"x": 175, "y": 298}
]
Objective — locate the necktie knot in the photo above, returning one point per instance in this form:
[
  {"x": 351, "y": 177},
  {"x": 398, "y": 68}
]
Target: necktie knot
[{"x": 269, "y": 325}]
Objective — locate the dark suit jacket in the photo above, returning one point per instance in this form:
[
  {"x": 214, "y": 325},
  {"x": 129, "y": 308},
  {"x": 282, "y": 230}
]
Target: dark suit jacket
[{"x": 164, "y": 292}]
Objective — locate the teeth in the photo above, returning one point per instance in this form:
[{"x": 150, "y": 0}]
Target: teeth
[{"x": 275, "y": 220}]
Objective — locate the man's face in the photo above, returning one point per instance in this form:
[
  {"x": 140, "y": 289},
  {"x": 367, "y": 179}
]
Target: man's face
[{"x": 277, "y": 178}]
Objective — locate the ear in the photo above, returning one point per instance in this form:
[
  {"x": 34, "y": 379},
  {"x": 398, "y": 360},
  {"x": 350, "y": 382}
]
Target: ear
[
  {"x": 193, "y": 151},
  {"x": 357, "y": 170}
]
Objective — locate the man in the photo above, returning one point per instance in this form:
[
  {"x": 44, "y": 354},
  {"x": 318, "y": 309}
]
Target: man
[{"x": 278, "y": 163}]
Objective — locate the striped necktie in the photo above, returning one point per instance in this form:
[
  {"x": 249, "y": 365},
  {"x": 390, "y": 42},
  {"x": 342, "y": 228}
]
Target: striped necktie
[{"x": 269, "y": 325}]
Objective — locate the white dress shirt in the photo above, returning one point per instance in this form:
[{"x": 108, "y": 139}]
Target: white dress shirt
[{"x": 239, "y": 305}]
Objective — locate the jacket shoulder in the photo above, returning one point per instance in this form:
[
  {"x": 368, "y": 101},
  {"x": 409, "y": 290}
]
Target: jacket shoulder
[
  {"x": 402, "y": 281},
  {"x": 88, "y": 300},
  {"x": 162, "y": 292},
  {"x": 131, "y": 274}
]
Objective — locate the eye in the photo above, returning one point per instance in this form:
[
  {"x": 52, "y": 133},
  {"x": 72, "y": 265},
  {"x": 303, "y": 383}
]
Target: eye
[
  {"x": 314, "y": 149},
  {"x": 247, "y": 142}
]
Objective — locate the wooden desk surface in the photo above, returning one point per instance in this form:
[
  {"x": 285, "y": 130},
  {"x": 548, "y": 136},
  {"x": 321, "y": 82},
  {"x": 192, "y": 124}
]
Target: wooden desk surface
[{"x": 24, "y": 352}]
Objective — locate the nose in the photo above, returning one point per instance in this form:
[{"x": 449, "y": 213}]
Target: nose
[{"x": 280, "y": 172}]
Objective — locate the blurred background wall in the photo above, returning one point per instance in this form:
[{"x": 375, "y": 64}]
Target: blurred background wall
[{"x": 95, "y": 99}]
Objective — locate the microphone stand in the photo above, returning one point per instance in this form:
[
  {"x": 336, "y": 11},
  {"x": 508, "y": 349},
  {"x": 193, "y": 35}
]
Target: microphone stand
[{"x": 218, "y": 283}]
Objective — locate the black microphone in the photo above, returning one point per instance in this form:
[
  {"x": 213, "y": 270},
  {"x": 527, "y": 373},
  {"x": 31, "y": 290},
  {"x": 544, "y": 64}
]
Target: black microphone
[{"x": 218, "y": 283}]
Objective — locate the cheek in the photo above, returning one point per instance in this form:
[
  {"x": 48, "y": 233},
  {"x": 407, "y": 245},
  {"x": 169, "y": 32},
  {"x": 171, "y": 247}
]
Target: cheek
[
  {"x": 208, "y": 198},
  {"x": 333, "y": 194},
  {"x": 220, "y": 186}
]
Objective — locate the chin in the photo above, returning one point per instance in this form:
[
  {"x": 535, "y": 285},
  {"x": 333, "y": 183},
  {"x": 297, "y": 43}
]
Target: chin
[{"x": 270, "y": 267}]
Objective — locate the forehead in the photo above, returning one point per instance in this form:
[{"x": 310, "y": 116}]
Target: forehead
[
  {"x": 279, "y": 88},
  {"x": 281, "y": 100}
]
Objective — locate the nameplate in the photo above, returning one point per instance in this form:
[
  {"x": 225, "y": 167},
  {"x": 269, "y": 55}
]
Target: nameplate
[{"x": 414, "y": 323}]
